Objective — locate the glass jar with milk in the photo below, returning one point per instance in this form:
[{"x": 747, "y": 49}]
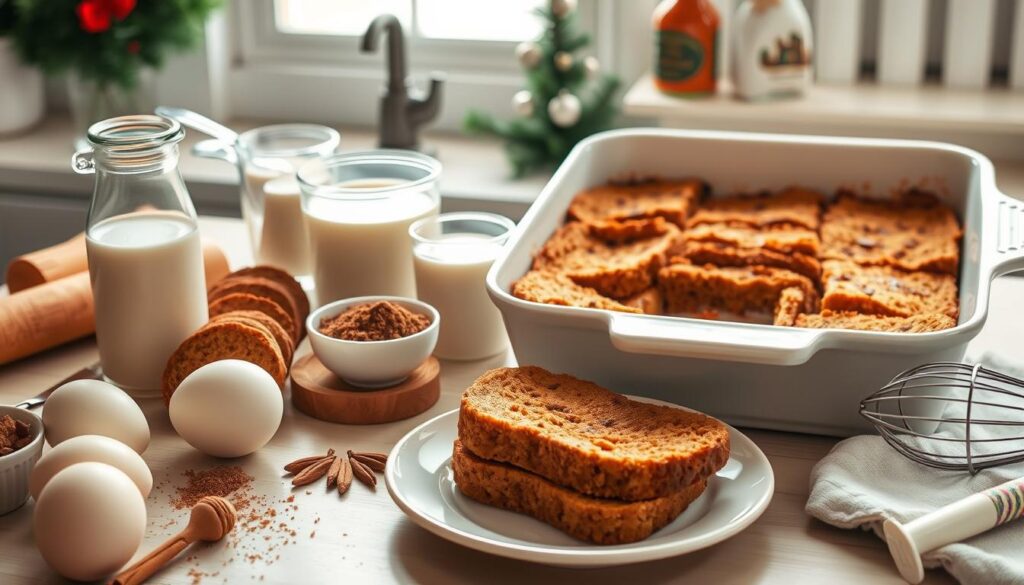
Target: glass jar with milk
[
  {"x": 142, "y": 240},
  {"x": 452, "y": 254},
  {"x": 358, "y": 209},
  {"x": 268, "y": 158}
]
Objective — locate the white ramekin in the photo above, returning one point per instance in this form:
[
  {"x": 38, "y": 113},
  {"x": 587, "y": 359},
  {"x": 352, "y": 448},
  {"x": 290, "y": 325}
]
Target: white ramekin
[{"x": 373, "y": 364}]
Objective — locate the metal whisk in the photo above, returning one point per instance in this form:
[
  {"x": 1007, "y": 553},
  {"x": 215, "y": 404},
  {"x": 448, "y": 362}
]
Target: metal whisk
[{"x": 960, "y": 417}]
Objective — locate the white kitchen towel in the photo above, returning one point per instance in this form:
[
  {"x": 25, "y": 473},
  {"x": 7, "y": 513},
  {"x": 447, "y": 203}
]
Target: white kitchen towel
[{"x": 863, "y": 481}]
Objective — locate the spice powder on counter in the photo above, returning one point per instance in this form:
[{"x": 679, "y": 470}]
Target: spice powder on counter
[
  {"x": 379, "y": 321},
  {"x": 263, "y": 527}
]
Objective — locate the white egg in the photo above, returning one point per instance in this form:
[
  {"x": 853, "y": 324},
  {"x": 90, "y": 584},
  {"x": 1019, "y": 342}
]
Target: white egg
[
  {"x": 89, "y": 521},
  {"x": 227, "y": 408},
  {"x": 94, "y": 407},
  {"x": 95, "y": 448}
]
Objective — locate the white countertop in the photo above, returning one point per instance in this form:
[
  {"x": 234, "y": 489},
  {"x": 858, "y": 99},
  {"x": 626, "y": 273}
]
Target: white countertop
[{"x": 365, "y": 538}]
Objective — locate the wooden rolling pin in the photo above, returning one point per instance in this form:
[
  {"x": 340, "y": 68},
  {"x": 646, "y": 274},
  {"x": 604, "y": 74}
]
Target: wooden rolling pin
[
  {"x": 60, "y": 311},
  {"x": 48, "y": 264}
]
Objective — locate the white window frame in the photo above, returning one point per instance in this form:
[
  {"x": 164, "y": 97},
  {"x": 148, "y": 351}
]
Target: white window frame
[{"x": 324, "y": 78}]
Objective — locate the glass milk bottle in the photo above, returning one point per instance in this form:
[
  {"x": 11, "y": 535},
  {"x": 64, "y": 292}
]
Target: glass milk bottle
[
  {"x": 452, "y": 254},
  {"x": 358, "y": 209},
  {"x": 145, "y": 257}
]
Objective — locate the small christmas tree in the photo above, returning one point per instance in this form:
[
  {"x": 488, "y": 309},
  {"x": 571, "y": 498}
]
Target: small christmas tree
[{"x": 558, "y": 109}]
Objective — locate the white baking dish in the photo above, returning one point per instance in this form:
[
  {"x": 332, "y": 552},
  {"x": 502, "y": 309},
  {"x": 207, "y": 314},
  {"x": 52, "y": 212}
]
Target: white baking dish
[{"x": 782, "y": 378}]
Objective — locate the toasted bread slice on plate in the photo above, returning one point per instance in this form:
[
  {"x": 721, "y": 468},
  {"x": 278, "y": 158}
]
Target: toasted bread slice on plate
[
  {"x": 597, "y": 520},
  {"x": 588, "y": 439}
]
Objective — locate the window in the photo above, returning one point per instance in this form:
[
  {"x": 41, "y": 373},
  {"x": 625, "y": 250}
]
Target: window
[
  {"x": 475, "y": 20},
  {"x": 300, "y": 59}
]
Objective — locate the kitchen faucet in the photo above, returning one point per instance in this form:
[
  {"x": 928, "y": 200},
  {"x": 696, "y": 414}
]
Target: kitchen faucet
[{"x": 401, "y": 114}]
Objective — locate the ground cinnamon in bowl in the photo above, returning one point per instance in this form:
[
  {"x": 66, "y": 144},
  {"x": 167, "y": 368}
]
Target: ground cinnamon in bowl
[
  {"x": 14, "y": 434},
  {"x": 378, "y": 321}
]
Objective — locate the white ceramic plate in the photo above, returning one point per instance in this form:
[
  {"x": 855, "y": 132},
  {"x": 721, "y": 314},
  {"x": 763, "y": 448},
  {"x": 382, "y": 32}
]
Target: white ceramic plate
[{"x": 420, "y": 480}]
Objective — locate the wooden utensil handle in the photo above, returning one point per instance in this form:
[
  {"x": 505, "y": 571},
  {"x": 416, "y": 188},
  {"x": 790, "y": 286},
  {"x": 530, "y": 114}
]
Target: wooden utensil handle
[
  {"x": 57, "y": 312},
  {"x": 151, "y": 563},
  {"x": 47, "y": 265}
]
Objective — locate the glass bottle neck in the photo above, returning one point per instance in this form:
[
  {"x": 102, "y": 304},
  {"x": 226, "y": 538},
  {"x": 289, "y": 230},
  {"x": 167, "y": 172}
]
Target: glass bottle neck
[
  {"x": 155, "y": 160},
  {"x": 141, "y": 183}
]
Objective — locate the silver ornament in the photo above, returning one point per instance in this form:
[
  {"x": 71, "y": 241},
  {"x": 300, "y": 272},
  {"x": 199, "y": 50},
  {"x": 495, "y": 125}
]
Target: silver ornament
[
  {"x": 563, "y": 61},
  {"x": 528, "y": 53},
  {"x": 592, "y": 65},
  {"x": 561, "y": 8},
  {"x": 522, "y": 103},
  {"x": 564, "y": 109}
]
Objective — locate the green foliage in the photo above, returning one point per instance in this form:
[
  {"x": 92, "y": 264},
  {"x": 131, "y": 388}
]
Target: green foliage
[
  {"x": 48, "y": 34},
  {"x": 6, "y": 16},
  {"x": 536, "y": 142}
]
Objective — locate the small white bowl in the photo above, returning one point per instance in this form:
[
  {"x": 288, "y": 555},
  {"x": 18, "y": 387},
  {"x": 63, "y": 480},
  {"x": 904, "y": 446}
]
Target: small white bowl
[
  {"x": 373, "y": 364},
  {"x": 16, "y": 467}
]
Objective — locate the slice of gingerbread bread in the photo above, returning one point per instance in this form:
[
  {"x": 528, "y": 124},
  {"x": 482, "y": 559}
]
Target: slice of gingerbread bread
[
  {"x": 241, "y": 301},
  {"x": 221, "y": 341},
  {"x": 552, "y": 288},
  {"x": 912, "y": 232},
  {"x": 673, "y": 200},
  {"x": 596, "y": 520},
  {"x": 614, "y": 270},
  {"x": 284, "y": 279},
  {"x": 259, "y": 286},
  {"x": 887, "y": 291},
  {"x": 846, "y": 320},
  {"x": 794, "y": 206},
  {"x": 583, "y": 437},
  {"x": 698, "y": 289}
]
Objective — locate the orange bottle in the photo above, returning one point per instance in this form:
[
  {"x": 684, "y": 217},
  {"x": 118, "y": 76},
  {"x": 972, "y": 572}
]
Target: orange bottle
[{"x": 686, "y": 36}]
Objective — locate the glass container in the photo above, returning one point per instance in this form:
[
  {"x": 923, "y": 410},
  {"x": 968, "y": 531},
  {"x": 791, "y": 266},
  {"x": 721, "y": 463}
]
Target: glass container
[
  {"x": 268, "y": 158},
  {"x": 452, "y": 253},
  {"x": 358, "y": 209},
  {"x": 142, "y": 240}
]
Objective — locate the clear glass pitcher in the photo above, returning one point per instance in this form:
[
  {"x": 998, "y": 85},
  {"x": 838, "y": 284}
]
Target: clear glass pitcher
[
  {"x": 267, "y": 159},
  {"x": 358, "y": 209},
  {"x": 142, "y": 240}
]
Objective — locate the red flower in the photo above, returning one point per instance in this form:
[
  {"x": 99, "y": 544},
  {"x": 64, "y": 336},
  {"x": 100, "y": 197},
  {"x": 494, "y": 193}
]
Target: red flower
[
  {"x": 121, "y": 8},
  {"x": 93, "y": 15},
  {"x": 133, "y": 47}
]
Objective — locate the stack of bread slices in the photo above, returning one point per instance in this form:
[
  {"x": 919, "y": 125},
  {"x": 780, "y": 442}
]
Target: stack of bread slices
[
  {"x": 590, "y": 462},
  {"x": 257, "y": 314}
]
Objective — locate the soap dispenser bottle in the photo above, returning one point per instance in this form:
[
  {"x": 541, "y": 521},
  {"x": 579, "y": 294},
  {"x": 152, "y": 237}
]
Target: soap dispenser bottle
[{"x": 771, "y": 49}]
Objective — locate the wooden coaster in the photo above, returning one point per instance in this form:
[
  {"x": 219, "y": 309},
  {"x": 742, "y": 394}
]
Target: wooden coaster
[{"x": 317, "y": 392}]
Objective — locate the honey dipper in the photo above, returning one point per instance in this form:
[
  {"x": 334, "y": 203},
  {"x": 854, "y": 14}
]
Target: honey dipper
[{"x": 212, "y": 518}]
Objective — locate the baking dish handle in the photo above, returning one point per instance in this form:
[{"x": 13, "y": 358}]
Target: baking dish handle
[
  {"x": 693, "y": 338},
  {"x": 1009, "y": 235}
]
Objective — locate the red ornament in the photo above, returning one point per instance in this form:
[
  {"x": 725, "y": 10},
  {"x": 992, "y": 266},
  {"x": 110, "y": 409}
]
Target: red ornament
[
  {"x": 93, "y": 16},
  {"x": 121, "y": 8},
  {"x": 133, "y": 47}
]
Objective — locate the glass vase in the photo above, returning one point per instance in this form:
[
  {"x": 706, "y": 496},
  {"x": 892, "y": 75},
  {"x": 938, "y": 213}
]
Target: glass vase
[{"x": 91, "y": 101}]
